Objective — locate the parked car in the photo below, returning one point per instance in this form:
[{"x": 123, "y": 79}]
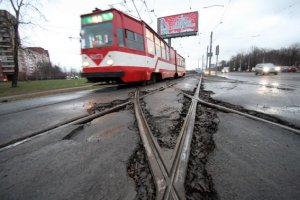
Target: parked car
[
  {"x": 266, "y": 68},
  {"x": 292, "y": 69}
]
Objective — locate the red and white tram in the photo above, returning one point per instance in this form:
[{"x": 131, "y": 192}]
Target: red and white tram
[{"x": 117, "y": 47}]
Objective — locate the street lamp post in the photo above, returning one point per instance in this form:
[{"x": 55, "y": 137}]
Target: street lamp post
[
  {"x": 206, "y": 57},
  {"x": 211, "y": 35},
  {"x": 210, "y": 53}
]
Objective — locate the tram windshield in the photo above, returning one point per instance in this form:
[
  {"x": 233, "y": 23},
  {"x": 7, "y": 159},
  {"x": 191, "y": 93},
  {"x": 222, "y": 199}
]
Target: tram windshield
[{"x": 97, "y": 35}]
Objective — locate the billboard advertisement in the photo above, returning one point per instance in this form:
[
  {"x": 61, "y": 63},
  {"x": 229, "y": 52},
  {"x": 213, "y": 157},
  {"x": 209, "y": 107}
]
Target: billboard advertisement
[{"x": 180, "y": 25}]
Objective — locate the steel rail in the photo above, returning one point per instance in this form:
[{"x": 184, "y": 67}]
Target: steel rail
[
  {"x": 169, "y": 183},
  {"x": 157, "y": 166},
  {"x": 76, "y": 120},
  {"x": 182, "y": 152},
  {"x": 225, "y": 109}
]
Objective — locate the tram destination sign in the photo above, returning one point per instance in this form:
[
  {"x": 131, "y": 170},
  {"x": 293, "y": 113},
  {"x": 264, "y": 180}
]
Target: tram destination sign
[{"x": 180, "y": 25}]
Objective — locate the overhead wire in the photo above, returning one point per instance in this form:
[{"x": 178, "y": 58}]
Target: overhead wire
[
  {"x": 147, "y": 10},
  {"x": 136, "y": 9},
  {"x": 225, "y": 10}
]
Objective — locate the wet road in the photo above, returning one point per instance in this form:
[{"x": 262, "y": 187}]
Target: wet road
[
  {"x": 90, "y": 164},
  {"x": 21, "y": 118},
  {"x": 275, "y": 95},
  {"x": 251, "y": 160},
  {"x": 255, "y": 160},
  {"x": 86, "y": 161}
]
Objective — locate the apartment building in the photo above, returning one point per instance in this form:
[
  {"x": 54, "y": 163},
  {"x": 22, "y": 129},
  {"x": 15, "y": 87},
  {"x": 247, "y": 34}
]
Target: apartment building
[
  {"x": 29, "y": 57},
  {"x": 6, "y": 45}
]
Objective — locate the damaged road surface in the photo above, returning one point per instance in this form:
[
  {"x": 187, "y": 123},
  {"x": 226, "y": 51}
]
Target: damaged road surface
[
  {"x": 252, "y": 159},
  {"x": 80, "y": 162},
  {"x": 231, "y": 157}
]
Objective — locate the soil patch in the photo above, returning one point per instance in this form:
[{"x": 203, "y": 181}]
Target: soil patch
[
  {"x": 138, "y": 169},
  {"x": 103, "y": 106},
  {"x": 167, "y": 141},
  {"x": 198, "y": 183}
]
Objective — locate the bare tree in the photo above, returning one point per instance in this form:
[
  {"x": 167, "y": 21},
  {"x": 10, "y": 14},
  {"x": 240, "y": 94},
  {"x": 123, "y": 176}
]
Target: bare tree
[{"x": 20, "y": 7}]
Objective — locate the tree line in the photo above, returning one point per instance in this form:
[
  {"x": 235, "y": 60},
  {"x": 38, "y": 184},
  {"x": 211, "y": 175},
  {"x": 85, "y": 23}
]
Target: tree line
[
  {"x": 43, "y": 71},
  {"x": 289, "y": 56}
]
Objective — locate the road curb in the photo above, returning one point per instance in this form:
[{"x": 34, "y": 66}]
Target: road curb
[{"x": 43, "y": 93}]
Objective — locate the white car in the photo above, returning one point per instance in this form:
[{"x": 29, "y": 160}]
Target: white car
[
  {"x": 225, "y": 70},
  {"x": 212, "y": 72},
  {"x": 266, "y": 68}
]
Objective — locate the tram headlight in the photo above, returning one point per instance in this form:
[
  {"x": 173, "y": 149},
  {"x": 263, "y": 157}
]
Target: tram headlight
[
  {"x": 110, "y": 62},
  {"x": 85, "y": 64}
]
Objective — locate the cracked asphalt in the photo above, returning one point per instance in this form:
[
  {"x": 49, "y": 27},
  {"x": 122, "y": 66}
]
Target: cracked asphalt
[
  {"x": 103, "y": 159},
  {"x": 255, "y": 160}
]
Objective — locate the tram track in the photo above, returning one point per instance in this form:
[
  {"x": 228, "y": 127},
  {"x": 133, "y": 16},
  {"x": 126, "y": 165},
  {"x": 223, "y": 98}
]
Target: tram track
[
  {"x": 230, "y": 110},
  {"x": 81, "y": 119},
  {"x": 169, "y": 175}
]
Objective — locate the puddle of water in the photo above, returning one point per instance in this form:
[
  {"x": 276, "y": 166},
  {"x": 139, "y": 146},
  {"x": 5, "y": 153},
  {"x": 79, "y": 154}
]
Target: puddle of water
[
  {"x": 278, "y": 110},
  {"x": 105, "y": 133}
]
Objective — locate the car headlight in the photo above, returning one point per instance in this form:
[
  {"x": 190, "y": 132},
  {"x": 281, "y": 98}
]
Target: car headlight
[
  {"x": 85, "y": 64},
  {"x": 265, "y": 69},
  {"x": 277, "y": 69},
  {"x": 110, "y": 62}
]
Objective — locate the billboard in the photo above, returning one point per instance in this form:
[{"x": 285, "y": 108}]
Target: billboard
[{"x": 180, "y": 25}]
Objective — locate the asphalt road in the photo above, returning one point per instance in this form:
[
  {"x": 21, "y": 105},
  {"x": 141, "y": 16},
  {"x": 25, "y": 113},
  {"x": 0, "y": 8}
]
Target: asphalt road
[
  {"x": 86, "y": 161},
  {"x": 278, "y": 95},
  {"x": 255, "y": 160},
  {"x": 252, "y": 160},
  {"x": 92, "y": 164},
  {"x": 24, "y": 117}
]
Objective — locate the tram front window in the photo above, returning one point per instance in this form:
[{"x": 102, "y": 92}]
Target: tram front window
[{"x": 97, "y": 35}]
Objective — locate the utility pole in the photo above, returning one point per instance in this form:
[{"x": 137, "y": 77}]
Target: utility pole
[
  {"x": 217, "y": 55},
  {"x": 210, "y": 53},
  {"x": 249, "y": 62},
  {"x": 202, "y": 62},
  {"x": 240, "y": 69},
  {"x": 206, "y": 58}
]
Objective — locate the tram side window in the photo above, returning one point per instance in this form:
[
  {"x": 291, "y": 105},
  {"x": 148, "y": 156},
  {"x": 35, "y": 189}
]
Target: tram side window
[
  {"x": 172, "y": 55},
  {"x": 180, "y": 63},
  {"x": 157, "y": 46},
  {"x": 167, "y": 52},
  {"x": 134, "y": 40},
  {"x": 150, "y": 41},
  {"x": 163, "y": 50},
  {"x": 120, "y": 37}
]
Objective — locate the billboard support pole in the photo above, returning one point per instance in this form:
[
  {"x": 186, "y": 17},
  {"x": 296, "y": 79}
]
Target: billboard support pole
[{"x": 169, "y": 41}]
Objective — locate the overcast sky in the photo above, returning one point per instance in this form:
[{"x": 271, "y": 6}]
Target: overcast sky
[{"x": 237, "y": 25}]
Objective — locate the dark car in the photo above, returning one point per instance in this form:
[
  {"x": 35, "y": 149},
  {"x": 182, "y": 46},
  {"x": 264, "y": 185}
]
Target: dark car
[
  {"x": 292, "y": 69},
  {"x": 284, "y": 69}
]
